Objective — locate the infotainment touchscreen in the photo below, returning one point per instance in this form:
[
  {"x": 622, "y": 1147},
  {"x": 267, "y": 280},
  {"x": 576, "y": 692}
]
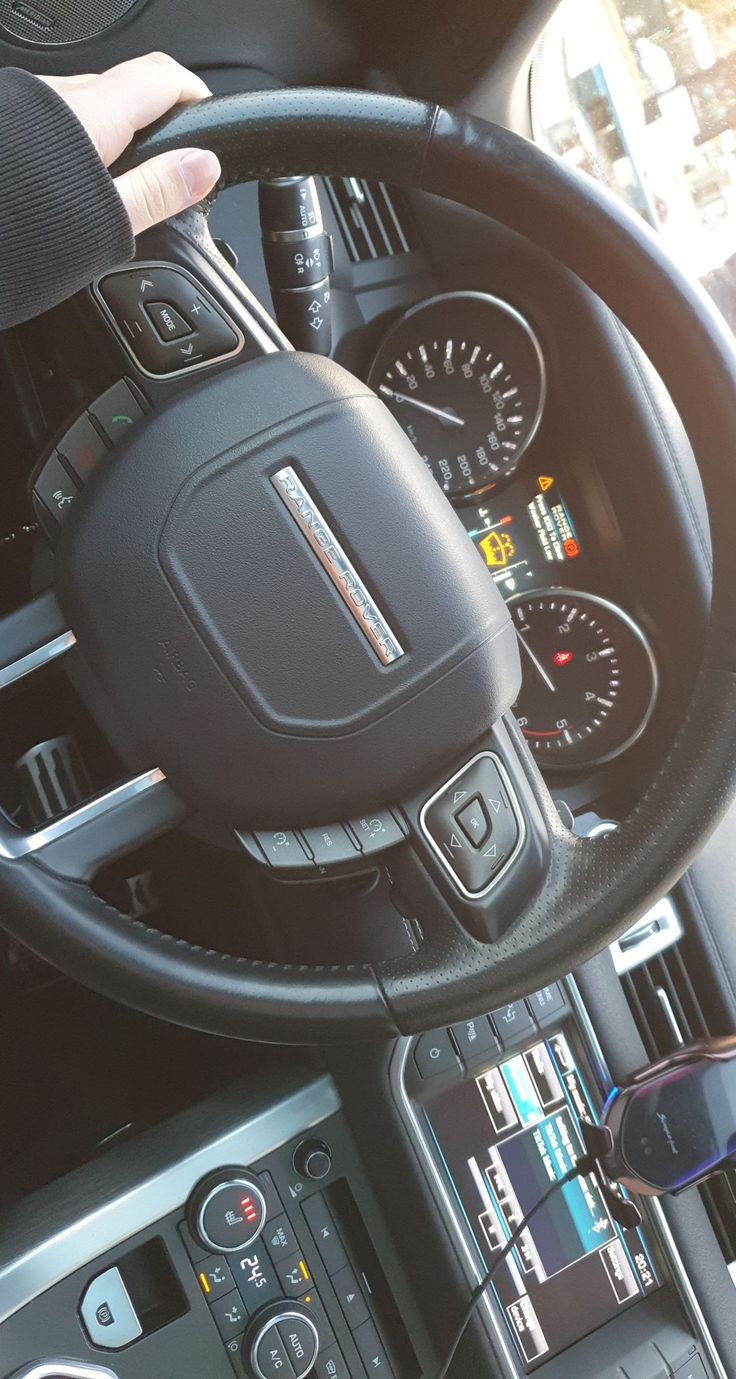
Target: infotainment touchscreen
[{"x": 504, "y": 1136}]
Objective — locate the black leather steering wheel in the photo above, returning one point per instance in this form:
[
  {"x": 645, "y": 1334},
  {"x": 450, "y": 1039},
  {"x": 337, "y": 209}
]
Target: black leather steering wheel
[{"x": 563, "y": 897}]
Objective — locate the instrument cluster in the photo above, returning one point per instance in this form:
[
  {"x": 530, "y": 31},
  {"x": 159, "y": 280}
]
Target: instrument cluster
[{"x": 464, "y": 375}]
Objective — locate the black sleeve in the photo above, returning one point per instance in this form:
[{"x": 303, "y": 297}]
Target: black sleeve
[{"x": 61, "y": 219}]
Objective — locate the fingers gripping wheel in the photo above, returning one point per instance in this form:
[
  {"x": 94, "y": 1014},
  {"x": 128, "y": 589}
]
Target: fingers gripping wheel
[{"x": 319, "y": 707}]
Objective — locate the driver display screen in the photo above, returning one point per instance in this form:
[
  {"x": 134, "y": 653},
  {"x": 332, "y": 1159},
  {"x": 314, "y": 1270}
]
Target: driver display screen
[
  {"x": 504, "y": 1137},
  {"x": 526, "y": 535}
]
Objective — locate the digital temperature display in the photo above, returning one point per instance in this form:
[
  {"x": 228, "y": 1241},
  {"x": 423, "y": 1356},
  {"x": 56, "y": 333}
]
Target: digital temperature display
[{"x": 523, "y": 533}]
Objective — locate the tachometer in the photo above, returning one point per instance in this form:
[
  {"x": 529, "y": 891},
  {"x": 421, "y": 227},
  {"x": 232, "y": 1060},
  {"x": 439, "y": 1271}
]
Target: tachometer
[
  {"x": 590, "y": 678},
  {"x": 464, "y": 375}
]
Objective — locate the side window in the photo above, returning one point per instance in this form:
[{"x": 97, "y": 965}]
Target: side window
[{"x": 641, "y": 94}]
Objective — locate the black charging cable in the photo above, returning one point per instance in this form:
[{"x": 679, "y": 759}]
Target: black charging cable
[{"x": 583, "y": 1166}]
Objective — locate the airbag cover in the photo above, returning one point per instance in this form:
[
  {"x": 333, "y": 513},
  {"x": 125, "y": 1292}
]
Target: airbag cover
[{"x": 211, "y": 640}]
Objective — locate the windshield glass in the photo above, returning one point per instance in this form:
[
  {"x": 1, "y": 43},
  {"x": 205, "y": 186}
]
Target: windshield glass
[{"x": 642, "y": 95}]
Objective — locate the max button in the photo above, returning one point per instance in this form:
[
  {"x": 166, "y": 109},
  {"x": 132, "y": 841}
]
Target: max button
[{"x": 434, "y": 1054}]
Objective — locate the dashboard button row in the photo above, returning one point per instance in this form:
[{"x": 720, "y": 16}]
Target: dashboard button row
[{"x": 472, "y": 1042}]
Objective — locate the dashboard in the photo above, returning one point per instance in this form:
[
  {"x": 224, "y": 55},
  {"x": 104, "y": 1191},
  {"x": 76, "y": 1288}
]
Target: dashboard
[{"x": 465, "y": 376}]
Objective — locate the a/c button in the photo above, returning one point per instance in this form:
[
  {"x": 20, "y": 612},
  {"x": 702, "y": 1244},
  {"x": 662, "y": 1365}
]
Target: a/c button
[{"x": 433, "y": 1053}]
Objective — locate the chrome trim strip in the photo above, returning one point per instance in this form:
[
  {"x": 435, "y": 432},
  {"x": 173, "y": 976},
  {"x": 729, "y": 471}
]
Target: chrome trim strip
[
  {"x": 475, "y": 1271},
  {"x": 63, "y": 1369},
  {"x": 15, "y": 844},
  {"x": 651, "y": 1207},
  {"x": 337, "y": 565},
  {"x": 254, "y": 329},
  {"x": 26, "y": 1277},
  {"x": 518, "y": 815},
  {"x": 42, "y": 656}
]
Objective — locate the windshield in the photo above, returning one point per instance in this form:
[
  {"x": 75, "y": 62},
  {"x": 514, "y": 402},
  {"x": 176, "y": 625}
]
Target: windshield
[{"x": 641, "y": 94}]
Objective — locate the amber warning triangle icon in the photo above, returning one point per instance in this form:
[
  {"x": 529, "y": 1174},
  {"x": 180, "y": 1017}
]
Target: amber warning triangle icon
[{"x": 545, "y": 482}]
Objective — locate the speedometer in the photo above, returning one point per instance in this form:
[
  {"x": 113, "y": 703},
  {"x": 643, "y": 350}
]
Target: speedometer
[
  {"x": 464, "y": 375},
  {"x": 589, "y": 677}
]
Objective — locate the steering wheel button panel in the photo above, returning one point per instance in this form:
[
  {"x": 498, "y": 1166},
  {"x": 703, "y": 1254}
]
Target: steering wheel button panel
[
  {"x": 56, "y": 489},
  {"x": 116, "y": 410},
  {"x": 474, "y": 825},
  {"x": 82, "y": 446},
  {"x": 284, "y": 850},
  {"x": 377, "y": 831},
  {"x": 168, "y": 323},
  {"x": 331, "y": 844},
  {"x": 474, "y": 821},
  {"x": 166, "y": 320},
  {"x": 109, "y": 1316}
]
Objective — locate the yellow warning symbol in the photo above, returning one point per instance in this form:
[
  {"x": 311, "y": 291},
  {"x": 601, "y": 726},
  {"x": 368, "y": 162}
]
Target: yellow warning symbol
[
  {"x": 545, "y": 482},
  {"x": 498, "y": 548}
]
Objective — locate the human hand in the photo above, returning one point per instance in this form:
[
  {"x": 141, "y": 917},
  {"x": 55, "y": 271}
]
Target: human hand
[{"x": 114, "y": 105}]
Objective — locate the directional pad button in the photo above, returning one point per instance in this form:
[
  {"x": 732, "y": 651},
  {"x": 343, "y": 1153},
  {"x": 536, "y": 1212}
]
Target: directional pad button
[{"x": 473, "y": 825}]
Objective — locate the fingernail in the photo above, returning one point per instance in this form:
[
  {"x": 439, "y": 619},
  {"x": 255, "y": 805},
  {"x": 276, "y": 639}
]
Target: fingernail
[{"x": 200, "y": 169}]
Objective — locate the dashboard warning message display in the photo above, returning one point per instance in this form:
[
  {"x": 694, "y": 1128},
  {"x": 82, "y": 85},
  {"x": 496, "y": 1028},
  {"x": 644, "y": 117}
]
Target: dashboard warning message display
[{"x": 506, "y": 1137}]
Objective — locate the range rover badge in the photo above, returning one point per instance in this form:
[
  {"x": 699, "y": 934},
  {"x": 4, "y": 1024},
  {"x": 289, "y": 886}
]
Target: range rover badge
[{"x": 338, "y": 565}]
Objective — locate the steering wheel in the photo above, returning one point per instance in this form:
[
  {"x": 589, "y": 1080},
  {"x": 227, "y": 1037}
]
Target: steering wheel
[{"x": 330, "y": 644}]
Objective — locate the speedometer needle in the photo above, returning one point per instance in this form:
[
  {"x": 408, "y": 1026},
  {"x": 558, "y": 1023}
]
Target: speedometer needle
[
  {"x": 537, "y": 663},
  {"x": 448, "y": 418}
]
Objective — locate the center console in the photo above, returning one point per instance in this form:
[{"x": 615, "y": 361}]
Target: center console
[
  {"x": 270, "y": 1235},
  {"x": 494, "y": 1107},
  {"x": 231, "y": 1259}
]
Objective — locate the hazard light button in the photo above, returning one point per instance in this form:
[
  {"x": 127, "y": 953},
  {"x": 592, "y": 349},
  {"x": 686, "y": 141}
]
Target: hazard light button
[{"x": 474, "y": 825}]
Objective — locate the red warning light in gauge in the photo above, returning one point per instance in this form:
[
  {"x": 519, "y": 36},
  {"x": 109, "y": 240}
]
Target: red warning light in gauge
[
  {"x": 562, "y": 658},
  {"x": 249, "y": 1209},
  {"x": 571, "y": 548}
]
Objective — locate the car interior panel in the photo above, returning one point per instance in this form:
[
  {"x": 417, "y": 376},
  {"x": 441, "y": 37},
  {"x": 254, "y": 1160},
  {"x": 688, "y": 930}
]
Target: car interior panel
[{"x": 368, "y": 675}]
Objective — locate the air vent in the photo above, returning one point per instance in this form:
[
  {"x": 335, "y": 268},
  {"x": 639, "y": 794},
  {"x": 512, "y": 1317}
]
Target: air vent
[
  {"x": 669, "y": 1012},
  {"x": 374, "y": 222}
]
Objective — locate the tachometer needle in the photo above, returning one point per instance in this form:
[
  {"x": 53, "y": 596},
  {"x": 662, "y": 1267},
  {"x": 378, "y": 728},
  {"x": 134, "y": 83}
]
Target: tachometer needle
[
  {"x": 447, "y": 418},
  {"x": 536, "y": 663}
]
